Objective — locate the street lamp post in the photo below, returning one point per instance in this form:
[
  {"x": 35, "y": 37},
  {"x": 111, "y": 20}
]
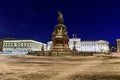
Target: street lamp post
[{"x": 74, "y": 44}]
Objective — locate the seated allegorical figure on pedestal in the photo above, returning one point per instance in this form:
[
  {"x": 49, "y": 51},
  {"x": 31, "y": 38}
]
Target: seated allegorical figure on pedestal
[{"x": 59, "y": 31}]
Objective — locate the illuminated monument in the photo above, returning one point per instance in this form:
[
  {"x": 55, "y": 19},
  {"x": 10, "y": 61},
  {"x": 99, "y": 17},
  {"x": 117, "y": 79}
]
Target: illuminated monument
[{"x": 60, "y": 38}]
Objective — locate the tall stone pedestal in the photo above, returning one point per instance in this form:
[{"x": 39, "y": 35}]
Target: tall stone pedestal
[
  {"x": 60, "y": 47},
  {"x": 60, "y": 43}
]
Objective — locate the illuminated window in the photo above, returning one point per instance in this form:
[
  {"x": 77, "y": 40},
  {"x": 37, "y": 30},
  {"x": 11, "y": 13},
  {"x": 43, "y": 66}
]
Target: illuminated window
[{"x": 21, "y": 44}]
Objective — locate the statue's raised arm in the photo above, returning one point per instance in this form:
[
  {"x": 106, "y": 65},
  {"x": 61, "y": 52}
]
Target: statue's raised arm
[{"x": 60, "y": 17}]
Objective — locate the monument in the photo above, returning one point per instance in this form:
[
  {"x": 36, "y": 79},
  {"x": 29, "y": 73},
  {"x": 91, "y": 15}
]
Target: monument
[{"x": 60, "y": 38}]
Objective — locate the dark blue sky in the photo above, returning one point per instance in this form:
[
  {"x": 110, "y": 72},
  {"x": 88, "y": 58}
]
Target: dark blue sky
[{"x": 35, "y": 19}]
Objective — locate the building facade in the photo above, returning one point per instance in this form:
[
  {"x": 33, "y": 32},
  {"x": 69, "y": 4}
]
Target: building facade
[
  {"x": 1, "y": 42},
  {"x": 49, "y": 45},
  {"x": 22, "y": 46},
  {"x": 86, "y": 46},
  {"x": 89, "y": 46}
]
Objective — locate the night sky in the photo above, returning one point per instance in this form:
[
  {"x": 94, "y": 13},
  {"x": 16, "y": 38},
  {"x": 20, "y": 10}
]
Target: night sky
[{"x": 35, "y": 19}]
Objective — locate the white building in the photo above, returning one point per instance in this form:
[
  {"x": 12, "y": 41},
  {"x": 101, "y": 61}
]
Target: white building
[
  {"x": 49, "y": 45},
  {"x": 22, "y": 46},
  {"x": 86, "y": 46},
  {"x": 89, "y": 46}
]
